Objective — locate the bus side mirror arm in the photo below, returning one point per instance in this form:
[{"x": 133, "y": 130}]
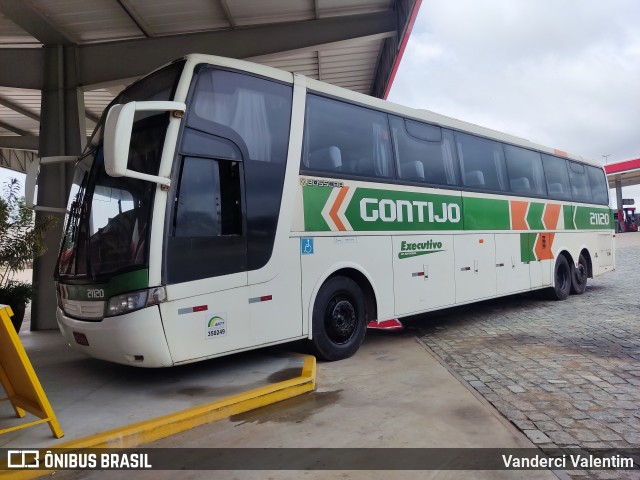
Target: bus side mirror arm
[
  {"x": 33, "y": 170},
  {"x": 117, "y": 137}
]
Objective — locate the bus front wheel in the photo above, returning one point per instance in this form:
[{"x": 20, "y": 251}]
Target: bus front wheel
[
  {"x": 579, "y": 277},
  {"x": 339, "y": 319},
  {"x": 562, "y": 276}
]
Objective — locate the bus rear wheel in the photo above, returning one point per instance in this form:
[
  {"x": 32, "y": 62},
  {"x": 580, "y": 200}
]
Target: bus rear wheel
[
  {"x": 562, "y": 276},
  {"x": 339, "y": 319},
  {"x": 579, "y": 277}
]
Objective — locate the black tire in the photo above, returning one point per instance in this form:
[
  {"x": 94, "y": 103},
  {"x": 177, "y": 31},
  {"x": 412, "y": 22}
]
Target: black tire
[
  {"x": 562, "y": 275},
  {"x": 579, "y": 277},
  {"x": 339, "y": 319}
]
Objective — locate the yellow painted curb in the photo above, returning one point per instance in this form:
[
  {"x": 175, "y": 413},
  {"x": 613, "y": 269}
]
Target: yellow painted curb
[{"x": 150, "y": 430}]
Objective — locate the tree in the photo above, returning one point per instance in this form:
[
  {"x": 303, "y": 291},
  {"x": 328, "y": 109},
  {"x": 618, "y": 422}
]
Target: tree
[{"x": 21, "y": 238}]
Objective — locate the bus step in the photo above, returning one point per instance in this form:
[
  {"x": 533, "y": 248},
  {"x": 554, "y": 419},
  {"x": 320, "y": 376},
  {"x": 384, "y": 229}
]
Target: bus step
[{"x": 393, "y": 325}]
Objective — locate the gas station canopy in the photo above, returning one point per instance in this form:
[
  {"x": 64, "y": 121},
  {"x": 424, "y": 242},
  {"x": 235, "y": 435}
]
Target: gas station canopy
[{"x": 628, "y": 173}]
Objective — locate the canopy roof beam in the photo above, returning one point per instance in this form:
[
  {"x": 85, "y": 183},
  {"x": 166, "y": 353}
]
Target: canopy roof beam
[
  {"x": 144, "y": 55},
  {"x": 27, "y": 17}
]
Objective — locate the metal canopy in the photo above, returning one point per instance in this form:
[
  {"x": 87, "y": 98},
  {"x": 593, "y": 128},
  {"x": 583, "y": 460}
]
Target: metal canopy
[{"x": 355, "y": 44}]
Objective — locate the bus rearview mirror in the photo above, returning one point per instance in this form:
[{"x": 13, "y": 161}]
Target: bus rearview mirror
[
  {"x": 117, "y": 137},
  {"x": 33, "y": 170}
]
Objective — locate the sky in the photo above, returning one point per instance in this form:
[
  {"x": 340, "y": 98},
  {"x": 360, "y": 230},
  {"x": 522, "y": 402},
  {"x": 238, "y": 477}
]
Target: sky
[
  {"x": 6, "y": 175},
  {"x": 561, "y": 73}
]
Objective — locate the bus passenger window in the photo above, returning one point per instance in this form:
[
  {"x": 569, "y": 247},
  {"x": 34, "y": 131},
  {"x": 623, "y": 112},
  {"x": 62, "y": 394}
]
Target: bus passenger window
[
  {"x": 424, "y": 152},
  {"x": 208, "y": 199},
  {"x": 327, "y": 158},
  {"x": 599, "y": 188},
  {"x": 482, "y": 162},
  {"x": 555, "y": 171},
  {"x": 525, "y": 171},
  {"x": 348, "y": 139},
  {"x": 251, "y": 112},
  {"x": 580, "y": 188}
]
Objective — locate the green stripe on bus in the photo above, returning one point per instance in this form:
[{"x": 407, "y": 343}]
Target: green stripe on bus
[
  {"x": 374, "y": 209},
  {"x": 126, "y": 282},
  {"x": 567, "y": 212},
  {"x": 527, "y": 243},
  {"x": 592, "y": 218},
  {"x": 485, "y": 214},
  {"x": 388, "y": 210},
  {"x": 314, "y": 199},
  {"x": 534, "y": 216},
  {"x": 612, "y": 222}
]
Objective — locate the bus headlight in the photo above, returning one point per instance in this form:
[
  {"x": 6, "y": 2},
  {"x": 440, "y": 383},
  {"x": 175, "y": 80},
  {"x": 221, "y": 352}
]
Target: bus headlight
[{"x": 128, "y": 302}]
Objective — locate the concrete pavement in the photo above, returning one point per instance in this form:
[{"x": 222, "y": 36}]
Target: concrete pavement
[
  {"x": 91, "y": 397},
  {"x": 392, "y": 393}
]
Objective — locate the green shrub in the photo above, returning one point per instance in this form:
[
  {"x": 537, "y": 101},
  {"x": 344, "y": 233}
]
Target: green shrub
[{"x": 21, "y": 240}]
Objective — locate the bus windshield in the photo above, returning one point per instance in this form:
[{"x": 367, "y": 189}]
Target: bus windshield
[{"x": 107, "y": 225}]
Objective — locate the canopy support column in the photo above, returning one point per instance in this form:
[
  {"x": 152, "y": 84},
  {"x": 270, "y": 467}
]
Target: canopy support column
[{"x": 62, "y": 132}]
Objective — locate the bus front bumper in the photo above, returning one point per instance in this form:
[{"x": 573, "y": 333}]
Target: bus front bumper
[{"x": 135, "y": 338}]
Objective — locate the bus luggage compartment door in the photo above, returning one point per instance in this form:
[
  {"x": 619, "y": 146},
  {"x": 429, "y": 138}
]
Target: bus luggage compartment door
[
  {"x": 512, "y": 274},
  {"x": 605, "y": 253},
  {"x": 475, "y": 268},
  {"x": 423, "y": 276}
]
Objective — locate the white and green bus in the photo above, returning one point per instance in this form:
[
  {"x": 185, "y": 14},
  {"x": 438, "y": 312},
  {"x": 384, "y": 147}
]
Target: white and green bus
[{"x": 223, "y": 206}]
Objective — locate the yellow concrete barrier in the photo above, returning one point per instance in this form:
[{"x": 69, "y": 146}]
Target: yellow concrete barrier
[
  {"x": 20, "y": 381},
  {"x": 150, "y": 430}
]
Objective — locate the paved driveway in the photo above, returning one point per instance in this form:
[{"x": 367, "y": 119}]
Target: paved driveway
[{"x": 566, "y": 373}]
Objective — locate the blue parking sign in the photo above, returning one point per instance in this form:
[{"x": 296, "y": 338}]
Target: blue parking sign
[{"x": 306, "y": 246}]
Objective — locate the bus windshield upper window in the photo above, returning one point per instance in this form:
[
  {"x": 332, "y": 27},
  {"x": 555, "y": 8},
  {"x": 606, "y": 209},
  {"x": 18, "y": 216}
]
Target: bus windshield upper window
[
  {"x": 160, "y": 85},
  {"x": 345, "y": 138},
  {"x": 251, "y": 112}
]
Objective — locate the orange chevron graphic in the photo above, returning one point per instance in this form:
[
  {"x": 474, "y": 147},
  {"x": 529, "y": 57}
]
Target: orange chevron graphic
[
  {"x": 551, "y": 216},
  {"x": 562, "y": 153},
  {"x": 333, "y": 213},
  {"x": 519, "y": 215},
  {"x": 542, "y": 249}
]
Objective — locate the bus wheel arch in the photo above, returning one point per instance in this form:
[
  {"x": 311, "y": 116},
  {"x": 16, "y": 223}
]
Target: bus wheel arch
[
  {"x": 367, "y": 289},
  {"x": 584, "y": 252},
  {"x": 342, "y": 308},
  {"x": 562, "y": 277},
  {"x": 580, "y": 273}
]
